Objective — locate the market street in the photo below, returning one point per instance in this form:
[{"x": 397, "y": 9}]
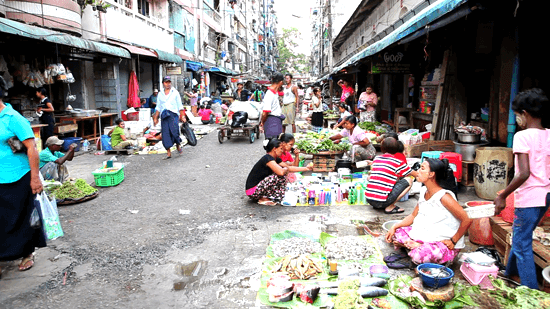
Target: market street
[{"x": 126, "y": 247}]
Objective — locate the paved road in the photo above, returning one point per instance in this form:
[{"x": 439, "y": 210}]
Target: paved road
[{"x": 139, "y": 244}]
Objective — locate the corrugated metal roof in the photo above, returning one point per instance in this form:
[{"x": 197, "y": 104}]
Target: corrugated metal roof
[
  {"x": 136, "y": 50},
  {"x": 37, "y": 33}
]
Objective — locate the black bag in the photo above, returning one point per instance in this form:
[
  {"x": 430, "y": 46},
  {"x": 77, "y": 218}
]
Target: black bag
[
  {"x": 490, "y": 252},
  {"x": 187, "y": 131},
  {"x": 239, "y": 119}
]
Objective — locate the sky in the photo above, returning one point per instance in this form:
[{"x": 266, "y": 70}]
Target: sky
[{"x": 296, "y": 13}]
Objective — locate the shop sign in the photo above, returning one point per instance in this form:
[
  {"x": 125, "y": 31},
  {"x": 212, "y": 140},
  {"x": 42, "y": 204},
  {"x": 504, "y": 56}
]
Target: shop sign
[
  {"x": 390, "y": 62},
  {"x": 173, "y": 71}
]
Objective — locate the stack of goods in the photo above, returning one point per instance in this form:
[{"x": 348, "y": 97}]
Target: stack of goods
[{"x": 348, "y": 248}]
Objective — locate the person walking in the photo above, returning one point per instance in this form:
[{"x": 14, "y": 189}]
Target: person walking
[
  {"x": 531, "y": 182},
  {"x": 317, "y": 115},
  {"x": 45, "y": 110},
  {"x": 19, "y": 184},
  {"x": 272, "y": 117},
  {"x": 290, "y": 103},
  {"x": 169, "y": 104}
]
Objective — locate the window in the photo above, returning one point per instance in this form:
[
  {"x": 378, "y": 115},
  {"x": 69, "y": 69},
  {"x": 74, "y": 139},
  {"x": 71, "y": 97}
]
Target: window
[{"x": 143, "y": 7}]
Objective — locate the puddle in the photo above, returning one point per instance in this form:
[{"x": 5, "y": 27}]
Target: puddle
[{"x": 190, "y": 274}]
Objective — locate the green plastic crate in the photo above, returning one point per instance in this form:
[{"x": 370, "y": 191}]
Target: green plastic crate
[{"x": 109, "y": 179}]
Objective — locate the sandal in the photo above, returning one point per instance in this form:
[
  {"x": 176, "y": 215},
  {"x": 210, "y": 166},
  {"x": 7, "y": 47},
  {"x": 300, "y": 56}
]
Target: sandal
[
  {"x": 180, "y": 151},
  {"x": 396, "y": 210},
  {"x": 26, "y": 263},
  {"x": 267, "y": 203},
  {"x": 395, "y": 256},
  {"x": 166, "y": 158}
]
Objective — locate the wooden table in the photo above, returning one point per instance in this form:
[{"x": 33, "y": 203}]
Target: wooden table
[
  {"x": 327, "y": 119},
  {"x": 109, "y": 120}
]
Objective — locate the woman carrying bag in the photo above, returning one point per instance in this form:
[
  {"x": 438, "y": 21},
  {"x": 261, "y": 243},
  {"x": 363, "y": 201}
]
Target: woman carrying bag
[{"x": 19, "y": 184}]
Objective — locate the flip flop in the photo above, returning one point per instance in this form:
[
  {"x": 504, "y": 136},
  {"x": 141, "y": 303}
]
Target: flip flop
[
  {"x": 399, "y": 265},
  {"x": 180, "y": 151},
  {"x": 396, "y": 210},
  {"x": 395, "y": 256},
  {"x": 27, "y": 263},
  {"x": 267, "y": 203},
  {"x": 166, "y": 158}
]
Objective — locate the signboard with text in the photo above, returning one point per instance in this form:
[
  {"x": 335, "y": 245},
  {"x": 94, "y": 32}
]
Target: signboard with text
[
  {"x": 173, "y": 71},
  {"x": 390, "y": 62}
]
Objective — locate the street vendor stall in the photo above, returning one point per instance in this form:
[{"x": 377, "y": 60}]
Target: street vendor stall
[{"x": 84, "y": 131}]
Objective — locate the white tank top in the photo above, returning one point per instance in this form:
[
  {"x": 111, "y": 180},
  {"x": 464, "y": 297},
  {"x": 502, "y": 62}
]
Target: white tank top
[
  {"x": 288, "y": 96},
  {"x": 434, "y": 222}
]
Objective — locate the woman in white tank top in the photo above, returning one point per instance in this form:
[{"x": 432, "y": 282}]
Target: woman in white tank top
[{"x": 434, "y": 232}]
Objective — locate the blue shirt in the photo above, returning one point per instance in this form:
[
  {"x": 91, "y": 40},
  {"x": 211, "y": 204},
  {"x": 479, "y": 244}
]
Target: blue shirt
[
  {"x": 13, "y": 166},
  {"x": 46, "y": 156},
  {"x": 171, "y": 102}
]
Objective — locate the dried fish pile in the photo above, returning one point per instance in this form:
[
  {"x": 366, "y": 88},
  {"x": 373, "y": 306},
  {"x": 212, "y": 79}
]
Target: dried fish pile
[
  {"x": 348, "y": 248},
  {"x": 295, "y": 246},
  {"x": 298, "y": 267}
]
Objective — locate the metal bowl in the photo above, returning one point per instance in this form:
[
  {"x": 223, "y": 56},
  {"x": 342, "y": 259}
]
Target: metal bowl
[{"x": 469, "y": 138}]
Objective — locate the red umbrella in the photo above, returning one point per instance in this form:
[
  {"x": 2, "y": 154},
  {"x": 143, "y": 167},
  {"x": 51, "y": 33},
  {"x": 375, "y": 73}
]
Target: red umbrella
[{"x": 133, "y": 91}]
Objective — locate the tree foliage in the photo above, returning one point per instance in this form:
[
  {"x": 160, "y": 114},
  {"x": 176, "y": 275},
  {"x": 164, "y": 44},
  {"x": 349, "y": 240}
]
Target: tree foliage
[{"x": 289, "y": 61}]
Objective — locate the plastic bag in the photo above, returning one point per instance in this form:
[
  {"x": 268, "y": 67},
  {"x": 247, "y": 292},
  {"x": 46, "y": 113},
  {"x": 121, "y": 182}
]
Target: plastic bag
[
  {"x": 189, "y": 134},
  {"x": 50, "y": 216},
  {"x": 239, "y": 119},
  {"x": 35, "y": 216},
  {"x": 106, "y": 142}
]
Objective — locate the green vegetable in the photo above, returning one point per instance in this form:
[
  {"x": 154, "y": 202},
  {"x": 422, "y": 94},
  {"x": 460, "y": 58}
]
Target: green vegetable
[
  {"x": 68, "y": 190},
  {"x": 84, "y": 186},
  {"x": 368, "y": 126}
]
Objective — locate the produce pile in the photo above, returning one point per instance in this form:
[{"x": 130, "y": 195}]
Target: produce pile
[
  {"x": 73, "y": 191},
  {"x": 298, "y": 267},
  {"x": 295, "y": 246},
  {"x": 348, "y": 248},
  {"x": 313, "y": 143},
  {"x": 374, "y": 127},
  {"x": 351, "y": 292}
]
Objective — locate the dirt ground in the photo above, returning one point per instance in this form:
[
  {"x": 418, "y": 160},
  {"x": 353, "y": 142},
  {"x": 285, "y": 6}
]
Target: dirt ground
[{"x": 176, "y": 233}]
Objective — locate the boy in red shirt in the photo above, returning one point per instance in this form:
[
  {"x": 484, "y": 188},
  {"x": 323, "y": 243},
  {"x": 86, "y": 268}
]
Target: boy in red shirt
[{"x": 388, "y": 180}]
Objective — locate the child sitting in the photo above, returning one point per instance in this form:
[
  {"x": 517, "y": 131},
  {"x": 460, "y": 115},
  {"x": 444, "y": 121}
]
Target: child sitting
[{"x": 206, "y": 114}]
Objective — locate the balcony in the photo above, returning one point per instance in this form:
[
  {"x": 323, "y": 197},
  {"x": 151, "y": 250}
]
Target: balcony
[
  {"x": 127, "y": 25},
  {"x": 212, "y": 13}
]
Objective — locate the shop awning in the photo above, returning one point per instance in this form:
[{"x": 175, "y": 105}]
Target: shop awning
[
  {"x": 221, "y": 70},
  {"x": 135, "y": 50},
  {"x": 37, "y": 33},
  {"x": 193, "y": 65},
  {"x": 424, "y": 17},
  {"x": 168, "y": 57}
]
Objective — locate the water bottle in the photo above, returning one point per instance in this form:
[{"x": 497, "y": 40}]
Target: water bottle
[{"x": 85, "y": 145}]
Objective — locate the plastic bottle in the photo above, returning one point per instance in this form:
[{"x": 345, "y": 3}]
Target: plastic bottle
[
  {"x": 85, "y": 145},
  {"x": 311, "y": 199},
  {"x": 351, "y": 196},
  {"x": 339, "y": 194},
  {"x": 321, "y": 197},
  {"x": 329, "y": 198},
  {"x": 332, "y": 196}
]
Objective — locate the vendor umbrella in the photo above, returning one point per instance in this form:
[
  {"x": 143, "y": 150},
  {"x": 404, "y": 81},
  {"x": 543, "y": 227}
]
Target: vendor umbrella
[{"x": 133, "y": 91}]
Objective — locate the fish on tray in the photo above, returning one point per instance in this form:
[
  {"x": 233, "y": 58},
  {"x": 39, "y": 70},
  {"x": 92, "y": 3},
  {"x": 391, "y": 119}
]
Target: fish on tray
[
  {"x": 379, "y": 282},
  {"x": 364, "y": 291}
]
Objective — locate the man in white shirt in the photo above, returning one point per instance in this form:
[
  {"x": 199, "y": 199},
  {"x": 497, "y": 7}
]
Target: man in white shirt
[
  {"x": 290, "y": 103},
  {"x": 272, "y": 117},
  {"x": 168, "y": 106}
]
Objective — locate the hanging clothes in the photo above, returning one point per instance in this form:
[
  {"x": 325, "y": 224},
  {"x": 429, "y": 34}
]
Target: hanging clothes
[{"x": 133, "y": 91}]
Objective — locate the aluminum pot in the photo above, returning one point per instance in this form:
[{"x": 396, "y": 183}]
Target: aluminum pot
[
  {"x": 468, "y": 138},
  {"x": 468, "y": 151}
]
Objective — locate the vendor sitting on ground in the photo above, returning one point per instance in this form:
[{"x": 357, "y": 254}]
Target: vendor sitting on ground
[
  {"x": 434, "y": 232},
  {"x": 389, "y": 180},
  {"x": 152, "y": 131},
  {"x": 118, "y": 136},
  {"x": 267, "y": 180},
  {"x": 206, "y": 113},
  {"x": 52, "y": 160},
  {"x": 344, "y": 113},
  {"x": 287, "y": 140},
  {"x": 361, "y": 148}
]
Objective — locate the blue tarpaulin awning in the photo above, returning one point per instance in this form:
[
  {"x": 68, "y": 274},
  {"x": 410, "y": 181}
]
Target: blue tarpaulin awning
[
  {"x": 423, "y": 18},
  {"x": 168, "y": 57},
  {"x": 193, "y": 65},
  {"x": 37, "y": 33},
  {"x": 221, "y": 70}
]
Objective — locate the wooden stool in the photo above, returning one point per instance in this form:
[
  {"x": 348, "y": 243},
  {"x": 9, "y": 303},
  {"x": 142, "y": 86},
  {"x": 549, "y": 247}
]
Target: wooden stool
[
  {"x": 408, "y": 114},
  {"x": 467, "y": 173}
]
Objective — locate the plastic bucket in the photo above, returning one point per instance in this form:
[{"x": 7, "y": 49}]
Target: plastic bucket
[
  {"x": 480, "y": 231},
  {"x": 67, "y": 141}
]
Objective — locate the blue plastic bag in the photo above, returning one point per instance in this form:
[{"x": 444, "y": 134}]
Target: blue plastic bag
[{"x": 106, "y": 142}]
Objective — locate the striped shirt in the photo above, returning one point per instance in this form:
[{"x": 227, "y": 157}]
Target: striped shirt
[{"x": 385, "y": 171}]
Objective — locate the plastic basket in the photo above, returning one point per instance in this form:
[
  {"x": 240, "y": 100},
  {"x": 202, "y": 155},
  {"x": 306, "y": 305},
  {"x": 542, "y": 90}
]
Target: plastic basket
[
  {"x": 108, "y": 179},
  {"x": 482, "y": 211}
]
